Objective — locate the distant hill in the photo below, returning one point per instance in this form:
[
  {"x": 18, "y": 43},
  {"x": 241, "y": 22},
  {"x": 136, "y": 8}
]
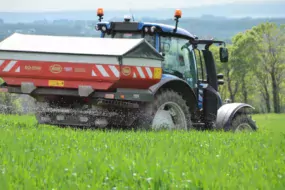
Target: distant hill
[
  {"x": 205, "y": 27},
  {"x": 221, "y": 28},
  {"x": 229, "y": 10}
]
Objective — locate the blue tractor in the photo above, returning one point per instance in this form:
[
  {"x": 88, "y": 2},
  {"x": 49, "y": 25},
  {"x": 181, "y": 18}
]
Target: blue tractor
[{"x": 187, "y": 95}]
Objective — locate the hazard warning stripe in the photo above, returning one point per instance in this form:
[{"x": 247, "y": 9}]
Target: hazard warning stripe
[
  {"x": 113, "y": 71},
  {"x": 9, "y": 66},
  {"x": 93, "y": 74},
  {"x": 107, "y": 71},
  {"x": 149, "y": 72},
  {"x": 143, "y": 72},
  {"x": 18, "y": 70},
  {"x": 1, "y": 62},
  {"x": 102, "y": 71}
]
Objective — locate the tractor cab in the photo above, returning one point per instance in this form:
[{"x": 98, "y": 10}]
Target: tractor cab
[
  {"x": 183, "y": 57},
  {"x": 170, "y": 41}
]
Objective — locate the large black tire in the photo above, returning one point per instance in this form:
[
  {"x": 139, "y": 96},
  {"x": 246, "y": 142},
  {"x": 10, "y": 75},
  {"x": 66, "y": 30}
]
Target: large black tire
[
  {"x": 147, "y": 114},
  {"x": 242, "y": 122}
]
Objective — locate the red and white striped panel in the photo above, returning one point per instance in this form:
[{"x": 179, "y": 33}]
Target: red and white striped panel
[
  {"x": 142, "y": 72},
  {"x": 106, "y": 71},
  {"x": 9, "y": 66},
  {"x": 113, "y": 71}
]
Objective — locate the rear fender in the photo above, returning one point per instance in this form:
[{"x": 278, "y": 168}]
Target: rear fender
[
  {"x": 179, "y": 86},
  {"x": 227, "y": 112}
]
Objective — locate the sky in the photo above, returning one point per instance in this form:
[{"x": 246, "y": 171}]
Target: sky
[{"x": 56, "y": 5}]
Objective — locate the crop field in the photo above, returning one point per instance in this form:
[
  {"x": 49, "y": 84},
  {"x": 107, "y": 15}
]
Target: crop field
[{"x": 48, "y": 157}]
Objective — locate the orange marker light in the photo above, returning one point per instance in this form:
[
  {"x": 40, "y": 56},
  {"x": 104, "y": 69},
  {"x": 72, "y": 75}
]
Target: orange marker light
[
  {"x": 100, "y": 12},
  {"x": 178, "y": 13}
]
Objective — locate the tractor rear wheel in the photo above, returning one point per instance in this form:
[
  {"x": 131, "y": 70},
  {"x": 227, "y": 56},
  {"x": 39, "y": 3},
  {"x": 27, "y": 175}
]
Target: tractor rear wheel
[
  {"x": 243, "y": 123},
  {"x": 168, "y": 111}
]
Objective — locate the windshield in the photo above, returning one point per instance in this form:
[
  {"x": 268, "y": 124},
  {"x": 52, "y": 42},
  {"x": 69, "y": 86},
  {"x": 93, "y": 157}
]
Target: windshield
[
  {"x": 179, "y": 59},
  {"x": 150, "y": 39}
]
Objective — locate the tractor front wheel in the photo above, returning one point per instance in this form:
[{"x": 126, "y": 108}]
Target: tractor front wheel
[{"x": 243, "y": 123}]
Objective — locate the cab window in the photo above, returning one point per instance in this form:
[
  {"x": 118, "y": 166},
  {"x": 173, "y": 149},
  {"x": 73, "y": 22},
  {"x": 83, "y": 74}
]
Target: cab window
[
  {"x": 201, "y": 65},
  {"x": 179, "y": 61}
]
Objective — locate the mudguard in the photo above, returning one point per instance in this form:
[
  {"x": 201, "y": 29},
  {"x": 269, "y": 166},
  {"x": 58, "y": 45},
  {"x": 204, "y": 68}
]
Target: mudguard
[
  {"x": 227, "y": 112},
  {"x": 166, "y": 78},
  {"x": 171, "y": 81}
]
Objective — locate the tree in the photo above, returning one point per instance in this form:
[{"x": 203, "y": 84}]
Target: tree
[
  {"x": 232, "y": 84},
  {"x": 258, "y": 61},
  {"x": 252, "y": 78},
  {"x": 270, "y": 47}
]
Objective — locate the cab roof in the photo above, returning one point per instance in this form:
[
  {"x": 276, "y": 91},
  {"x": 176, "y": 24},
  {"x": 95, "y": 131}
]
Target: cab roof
[
  {"x": 169, "y": 28},
  {"x": 164, "y": 27}
]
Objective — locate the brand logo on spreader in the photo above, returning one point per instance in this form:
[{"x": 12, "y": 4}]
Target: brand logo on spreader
[
  {"x": 68, "y": 69},
  {"x": 55, "y": 68},
  {"x": 126, "y": 71},
  {"x": 33, "y": 68}
]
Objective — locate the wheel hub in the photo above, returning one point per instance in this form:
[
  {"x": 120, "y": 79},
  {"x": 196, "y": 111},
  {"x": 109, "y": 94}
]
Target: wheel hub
[
  {"x": 169, "y": 116},
  {"x": 243, "y": 127}
]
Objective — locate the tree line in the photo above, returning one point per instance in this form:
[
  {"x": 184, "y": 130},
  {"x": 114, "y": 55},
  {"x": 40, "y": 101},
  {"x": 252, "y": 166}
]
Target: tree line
[{"x": 256, "y": 69}]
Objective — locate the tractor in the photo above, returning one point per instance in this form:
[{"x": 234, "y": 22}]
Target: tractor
[{"x": 135, "y": 75}]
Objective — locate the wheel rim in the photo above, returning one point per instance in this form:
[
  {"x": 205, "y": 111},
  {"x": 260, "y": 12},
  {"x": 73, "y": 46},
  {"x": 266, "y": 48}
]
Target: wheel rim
[
  {"x": 177, "y": 116},
  {"x": 243, "y": 127}
]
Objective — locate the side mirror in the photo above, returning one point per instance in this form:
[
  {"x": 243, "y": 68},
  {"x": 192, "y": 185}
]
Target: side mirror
[{"x": 224, "y": 55}]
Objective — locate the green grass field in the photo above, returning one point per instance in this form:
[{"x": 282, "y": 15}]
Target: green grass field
[{"x": 47, "y": 157}]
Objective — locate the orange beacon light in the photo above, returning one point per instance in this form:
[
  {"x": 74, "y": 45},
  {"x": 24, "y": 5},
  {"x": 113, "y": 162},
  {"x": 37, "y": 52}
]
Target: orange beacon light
[
  {"x": 178, "y": 13},
  {"x": 100, "y": 12}
]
